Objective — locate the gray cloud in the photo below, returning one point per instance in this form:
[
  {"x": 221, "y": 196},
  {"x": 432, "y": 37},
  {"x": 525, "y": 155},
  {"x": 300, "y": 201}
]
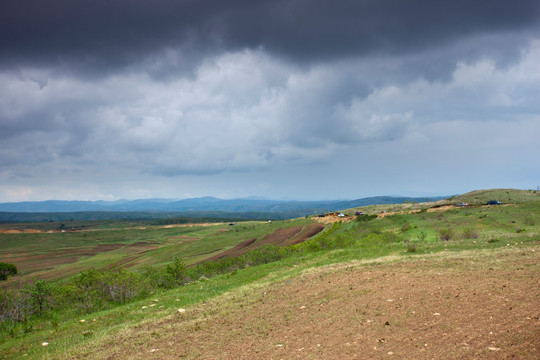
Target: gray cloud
[
  {"x": 142, "y": 99},
  {"x": 229, "y": 118},
  {"x": 100, "y": 36}
]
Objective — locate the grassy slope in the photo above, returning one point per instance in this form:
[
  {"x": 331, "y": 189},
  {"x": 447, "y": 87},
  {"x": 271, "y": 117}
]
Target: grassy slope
[
  {"x": 516, "y": 225},
  {"x": 192, "y": 243},
  {"x": 503, "y": 195}
]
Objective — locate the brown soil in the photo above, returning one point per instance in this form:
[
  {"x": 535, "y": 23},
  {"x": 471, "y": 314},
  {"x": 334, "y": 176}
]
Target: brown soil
[
  {"x": 16, "y": 231},
  {"x": 306, "y": 233},
  {"x": 282, "y": 237},
  {"x": 441, "y": 208},
  {"x": 58, "y": 257},
  {"x": 389, "y": 213},
  {"x": 470, "y": 305},
  {"x": 130, "y": 261},
  {"x": 332, "y": 218},
  {"x": 414, "y": 211},
  {"x": 239, "y": 249},
  {"x": 42, "y": 262}
]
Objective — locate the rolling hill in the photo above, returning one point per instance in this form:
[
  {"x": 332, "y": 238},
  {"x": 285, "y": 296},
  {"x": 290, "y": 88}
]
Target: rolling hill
[{"x": 210, "y": 207}]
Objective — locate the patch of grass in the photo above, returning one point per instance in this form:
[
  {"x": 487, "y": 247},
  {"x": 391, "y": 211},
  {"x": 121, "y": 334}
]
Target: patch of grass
[
  {"x": 446, "y": 234},
  {"x": 406, "y": 227},
  {"x": 503, "y": 195},
  {"x": 469, "y": 233}
]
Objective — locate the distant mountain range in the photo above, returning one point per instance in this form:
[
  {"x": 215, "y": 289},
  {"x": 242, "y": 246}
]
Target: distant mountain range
[{"x": 204, "y": 206}]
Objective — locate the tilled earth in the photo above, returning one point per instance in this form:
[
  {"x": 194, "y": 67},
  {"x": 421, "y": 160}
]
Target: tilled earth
[
  {"x": 470, "y": 305},
  {"x": 282, "y": 237}
]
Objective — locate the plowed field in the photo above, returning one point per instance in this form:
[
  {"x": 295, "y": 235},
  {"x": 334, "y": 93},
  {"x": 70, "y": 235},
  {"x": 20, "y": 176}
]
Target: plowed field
[
  {"x": 282, "y": 237},
  {"x": 469, "y": 305}
]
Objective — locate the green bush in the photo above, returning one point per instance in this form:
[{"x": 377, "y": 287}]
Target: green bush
[
  {"x": 379, "y": 238},
  {"x": 40, "y": 294},
  {"x": 239, "y": 228},
  {"x": 84, "y": 290},
  {"x": 446, "y": 234},
  {"x": 92, "y": 290},
  {"x": 362, "y": 218},
  {"x": 7, "y": 269},
  {"x": 469, "y": 234},
  {"x": 406, "y": 227},
  {"x": 121, "y": 286},
  {"x": 175, "y": 274},
  {"x": 389, "y": 237},
  {"x": 216, "y": 267},
  {"x": 324, "y": 241},
  {"x": 343, "y": 241},
  {"x": 264, "y": 254},
  {"x": 15, "y": 306}
]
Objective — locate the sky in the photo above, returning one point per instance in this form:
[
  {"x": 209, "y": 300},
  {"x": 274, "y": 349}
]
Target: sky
[{"x": 286, "y": 99}]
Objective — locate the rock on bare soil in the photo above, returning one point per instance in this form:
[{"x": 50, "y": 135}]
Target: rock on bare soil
[{"x": 470, "y": 305}]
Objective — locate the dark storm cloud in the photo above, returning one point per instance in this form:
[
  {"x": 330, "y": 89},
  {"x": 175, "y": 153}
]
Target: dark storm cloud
[{"x": 112, "y": 34}]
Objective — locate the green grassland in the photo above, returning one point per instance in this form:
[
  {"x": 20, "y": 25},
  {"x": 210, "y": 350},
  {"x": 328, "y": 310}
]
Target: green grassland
[
  {"x": 408, "y": 230},
  {"x": 129, "y": 244}
]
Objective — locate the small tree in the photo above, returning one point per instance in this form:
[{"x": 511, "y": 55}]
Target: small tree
[
  {"x": 87, "y": 287},
  {"x": 40, "y": 293},
  {"x": 177, "y": 270},
  {"x": 7, "y": 269}
]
